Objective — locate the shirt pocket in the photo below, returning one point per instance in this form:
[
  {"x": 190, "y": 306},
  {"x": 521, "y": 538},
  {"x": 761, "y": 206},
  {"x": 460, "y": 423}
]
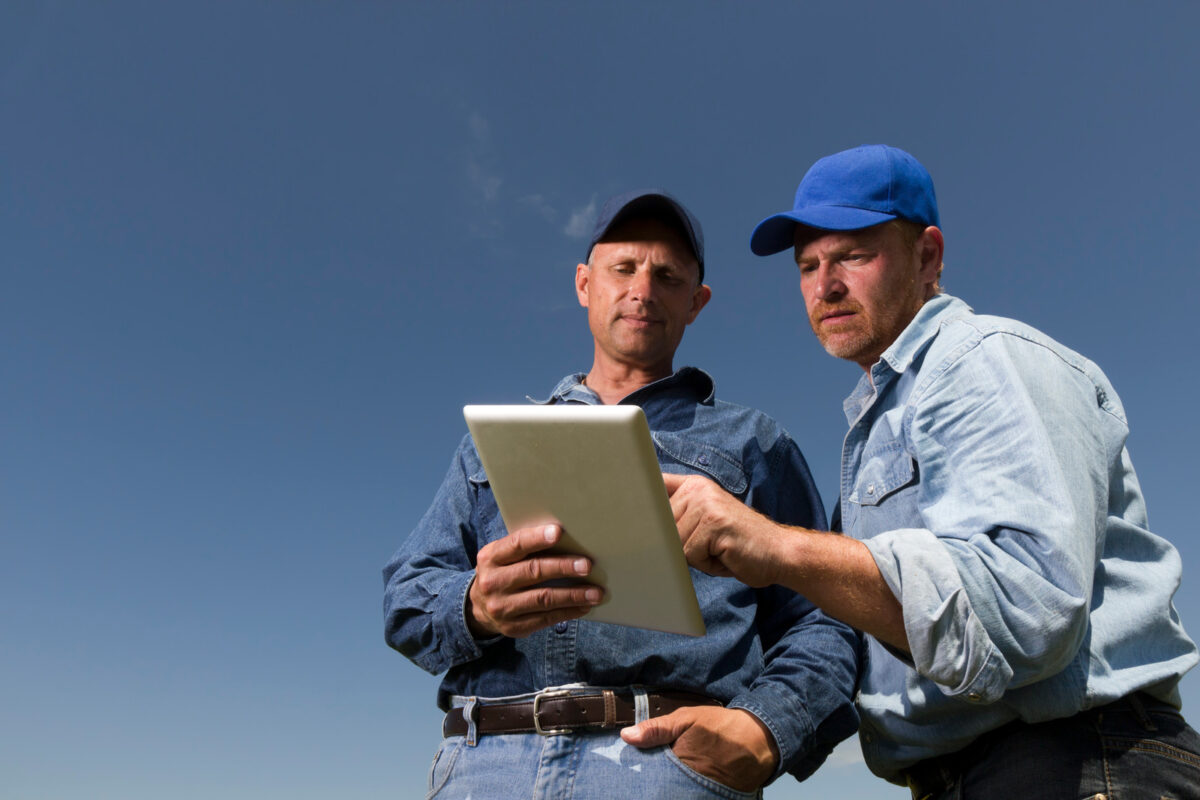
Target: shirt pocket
[
  {"x": 885, "y": 470},
  {"x": 720, "y": 465}
]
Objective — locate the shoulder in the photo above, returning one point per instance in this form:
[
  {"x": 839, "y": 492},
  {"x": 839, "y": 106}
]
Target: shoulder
[
  {"x": 748, "y": 423},
  {"x": 467, "y": 458},
  {"x": 995, "y": 353}
]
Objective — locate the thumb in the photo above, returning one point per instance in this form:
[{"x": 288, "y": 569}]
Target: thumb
[{"x": 658, "y": 731}]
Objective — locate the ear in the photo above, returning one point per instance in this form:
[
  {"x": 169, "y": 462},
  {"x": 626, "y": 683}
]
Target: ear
[
  {"x": 699, "y": 300},
  {"x": 931, "y": 246},
  {"x": 583, "y": 274}
]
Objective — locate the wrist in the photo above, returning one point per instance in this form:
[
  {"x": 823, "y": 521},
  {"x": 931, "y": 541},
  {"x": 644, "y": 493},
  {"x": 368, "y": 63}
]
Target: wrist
[
  {"x": 762, "y": 745},
  {"x": 477, "y": 624}
]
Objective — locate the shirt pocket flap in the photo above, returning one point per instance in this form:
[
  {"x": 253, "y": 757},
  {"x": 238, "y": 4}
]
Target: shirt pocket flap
[
  {"x": 883, "y": 472},
  {"x": 717, "y": 464}
]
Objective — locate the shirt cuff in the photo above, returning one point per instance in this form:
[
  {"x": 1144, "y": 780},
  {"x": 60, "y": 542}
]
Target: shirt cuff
[
  {"x": 451, "y": 621},
  {"x": 949, "y": 643},
  {"x": 787, "y": 721}
]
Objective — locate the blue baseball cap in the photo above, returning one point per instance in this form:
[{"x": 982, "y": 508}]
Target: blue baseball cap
[
  {"x": 653, "y": 203},
  {"x": 850, "y": 190}
]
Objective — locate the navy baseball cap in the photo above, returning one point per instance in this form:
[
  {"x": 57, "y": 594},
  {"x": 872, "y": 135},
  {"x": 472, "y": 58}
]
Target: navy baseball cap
[
  {"x": 654, "y": 203},
  {"x": 850, "y": 190}
]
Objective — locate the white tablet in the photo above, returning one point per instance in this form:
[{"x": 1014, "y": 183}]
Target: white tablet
[{"x": 592, "y": 469}]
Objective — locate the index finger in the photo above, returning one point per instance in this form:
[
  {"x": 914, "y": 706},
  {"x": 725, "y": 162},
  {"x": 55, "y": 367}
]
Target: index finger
[
  {"x": 673, "y": 481},
  {"x": 523, "y": 542}
]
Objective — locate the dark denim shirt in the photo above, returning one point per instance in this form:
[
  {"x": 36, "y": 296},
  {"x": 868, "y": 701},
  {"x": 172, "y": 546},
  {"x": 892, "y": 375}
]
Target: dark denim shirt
[{"x": 768, "y": 651}]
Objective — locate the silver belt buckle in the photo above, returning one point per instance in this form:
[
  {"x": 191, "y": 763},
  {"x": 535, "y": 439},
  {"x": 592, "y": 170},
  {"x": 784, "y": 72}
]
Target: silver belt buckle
[{"x": 537, "y": 702}]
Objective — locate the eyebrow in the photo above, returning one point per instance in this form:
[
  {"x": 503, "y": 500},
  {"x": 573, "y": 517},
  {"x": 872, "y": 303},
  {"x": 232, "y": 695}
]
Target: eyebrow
[{"x": 842, "y": 250}]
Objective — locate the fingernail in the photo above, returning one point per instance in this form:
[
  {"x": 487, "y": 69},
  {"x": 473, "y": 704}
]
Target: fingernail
[
  {"x": 592, "y": 595},
  {"x": 581, "y": 566},
  {"x": 548, "y": 532}
]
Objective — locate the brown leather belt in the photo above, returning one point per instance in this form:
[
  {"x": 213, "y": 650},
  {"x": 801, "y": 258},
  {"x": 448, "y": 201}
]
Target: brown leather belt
[{"x": 568, "y": 710}]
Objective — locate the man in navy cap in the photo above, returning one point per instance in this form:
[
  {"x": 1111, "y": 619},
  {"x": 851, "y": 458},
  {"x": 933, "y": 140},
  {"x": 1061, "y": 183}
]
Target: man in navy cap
[
  {"x": 770, "y": 687},
  {"x": 1023, "y": 641}
]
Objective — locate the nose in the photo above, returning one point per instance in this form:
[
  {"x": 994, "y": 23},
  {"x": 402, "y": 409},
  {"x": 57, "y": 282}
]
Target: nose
[
  {"x": 642, "y": 286},
  {"x": 828, "y": 284}
]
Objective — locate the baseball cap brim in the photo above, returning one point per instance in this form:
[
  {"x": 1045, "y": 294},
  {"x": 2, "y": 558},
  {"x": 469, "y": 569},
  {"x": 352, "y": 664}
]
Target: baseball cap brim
[
  {"x": 778, "y": 233},
  {"x": 654, "y": 203}
]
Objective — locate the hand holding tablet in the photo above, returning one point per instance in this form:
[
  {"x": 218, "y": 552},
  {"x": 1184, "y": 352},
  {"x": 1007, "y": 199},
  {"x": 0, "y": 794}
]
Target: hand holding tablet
[
  {"x": 509, "y": 595},
  {"x": 592, "y": 470}
]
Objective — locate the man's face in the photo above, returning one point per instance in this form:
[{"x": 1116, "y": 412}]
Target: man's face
[
  {"x": 862, "y": 288},
  {"x": 641, "y": 290}
]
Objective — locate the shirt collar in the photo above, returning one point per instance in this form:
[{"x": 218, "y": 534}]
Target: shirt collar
[
  {"x": 694, "y": 381},
  {"x": 920, "y": 332},
  {"x": 901, "y": 354}
]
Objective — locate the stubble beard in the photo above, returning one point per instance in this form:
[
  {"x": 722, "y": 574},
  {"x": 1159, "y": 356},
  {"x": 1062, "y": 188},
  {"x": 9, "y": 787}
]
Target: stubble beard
[{"x": 847, "y": 344}]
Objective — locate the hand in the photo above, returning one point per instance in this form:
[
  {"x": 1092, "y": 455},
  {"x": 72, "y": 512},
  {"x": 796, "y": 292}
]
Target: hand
[
  {"x": 729, "y": 745},
  {"x": 507, "y": 597},
  {"x": 721, "y": 535}
]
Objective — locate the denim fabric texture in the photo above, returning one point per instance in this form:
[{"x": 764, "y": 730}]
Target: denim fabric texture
[
  {"x": 768, "y": 651},
  {"x": 1134, "y": 748},
  {"x": 595, "y": 766},
  {"x": 985, "y": 468}
]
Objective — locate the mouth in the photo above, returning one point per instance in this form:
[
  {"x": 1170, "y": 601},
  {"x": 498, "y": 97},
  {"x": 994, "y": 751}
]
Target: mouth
[
  {"x": 640, "y": 322},
  {"x": 834, "y": 316}
]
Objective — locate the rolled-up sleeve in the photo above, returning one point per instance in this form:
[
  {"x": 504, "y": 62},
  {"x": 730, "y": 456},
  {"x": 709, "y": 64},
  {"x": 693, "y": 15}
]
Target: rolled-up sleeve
[{"x": 996, "y": 585}]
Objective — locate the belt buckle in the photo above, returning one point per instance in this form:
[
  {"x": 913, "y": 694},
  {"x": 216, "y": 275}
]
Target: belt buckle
[{"x": 537, "y": 701}]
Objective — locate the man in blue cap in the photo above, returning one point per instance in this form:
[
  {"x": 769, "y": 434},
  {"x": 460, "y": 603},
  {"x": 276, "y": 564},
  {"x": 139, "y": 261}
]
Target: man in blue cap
[
  {"x": 536, "y": 698},
  {"x": 1023, "y": 641}
]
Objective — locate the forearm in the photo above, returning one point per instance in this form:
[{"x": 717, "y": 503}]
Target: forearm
[
  {"x": 839, "y": 575},
  {"x": 723, "y": 537}
]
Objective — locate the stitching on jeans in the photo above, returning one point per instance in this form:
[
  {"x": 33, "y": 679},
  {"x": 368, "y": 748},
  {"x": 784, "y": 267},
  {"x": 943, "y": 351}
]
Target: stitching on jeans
[
  {"x": 1152, "y": 747},
  {"x": 1102, "y": 740}
]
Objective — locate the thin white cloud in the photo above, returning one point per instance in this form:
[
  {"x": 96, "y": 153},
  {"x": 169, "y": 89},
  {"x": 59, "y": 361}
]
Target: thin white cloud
[
  {"x": 484, "y": 181},
  {"x": 580, "y": 223},
  {"x": 481, "y": 132},
  {"x": 540, "y": 205}
]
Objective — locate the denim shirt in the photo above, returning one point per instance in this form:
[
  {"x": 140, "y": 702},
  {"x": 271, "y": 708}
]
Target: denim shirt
[
  {"x": 768, "y": 651},
  {"x": 986, "y": 471}
]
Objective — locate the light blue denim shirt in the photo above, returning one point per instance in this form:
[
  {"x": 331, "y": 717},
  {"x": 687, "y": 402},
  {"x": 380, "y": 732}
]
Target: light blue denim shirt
[
  {"x": 986, "y": 470},
  {"x": 768, "y": 651}
]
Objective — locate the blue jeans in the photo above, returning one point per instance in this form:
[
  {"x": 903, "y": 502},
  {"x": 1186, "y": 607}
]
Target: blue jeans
[
  {"x": 576, "y": 766},
  {"x": 1136, "y": 747}
]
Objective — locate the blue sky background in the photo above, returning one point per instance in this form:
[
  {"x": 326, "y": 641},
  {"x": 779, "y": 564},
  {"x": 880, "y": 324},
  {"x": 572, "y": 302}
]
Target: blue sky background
[{"x": 257, "y": 255}]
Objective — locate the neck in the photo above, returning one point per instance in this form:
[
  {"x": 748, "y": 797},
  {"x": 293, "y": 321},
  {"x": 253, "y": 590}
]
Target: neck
[{"x": 614, "y": 382}]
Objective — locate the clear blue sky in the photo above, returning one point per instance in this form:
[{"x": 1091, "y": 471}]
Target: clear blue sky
[{"x": 257, "y": 255}]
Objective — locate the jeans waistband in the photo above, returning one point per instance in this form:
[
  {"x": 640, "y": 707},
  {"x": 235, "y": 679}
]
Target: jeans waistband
[{"x": 931, "y": 777}]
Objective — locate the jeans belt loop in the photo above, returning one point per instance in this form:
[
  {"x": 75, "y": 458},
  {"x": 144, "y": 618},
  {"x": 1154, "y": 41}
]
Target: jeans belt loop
[
  {"x": 1139, "y": 708},
  {"x": 641, "y": 705},
  {"x": 468, "y": 712}
]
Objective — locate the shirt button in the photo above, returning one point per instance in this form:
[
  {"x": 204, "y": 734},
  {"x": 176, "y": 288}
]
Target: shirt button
[
  {"x": 871, "y": 489},
  {"x": 703, "y": 460},
  {"x": 974, "y": 697},
  {"x": 561, "y": 627}
]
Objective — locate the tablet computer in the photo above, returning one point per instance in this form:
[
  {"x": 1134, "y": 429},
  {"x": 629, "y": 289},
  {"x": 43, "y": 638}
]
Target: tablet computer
[{"x": 592, "y": 469}]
